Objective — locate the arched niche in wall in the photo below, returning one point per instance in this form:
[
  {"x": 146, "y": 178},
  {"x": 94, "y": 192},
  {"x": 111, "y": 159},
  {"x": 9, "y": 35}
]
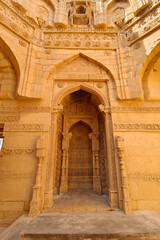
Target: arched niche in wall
[
  {"x": 118, "y": 12},
  {"x": 151, "y": 76},
  {"x": 9, "y": 72}
]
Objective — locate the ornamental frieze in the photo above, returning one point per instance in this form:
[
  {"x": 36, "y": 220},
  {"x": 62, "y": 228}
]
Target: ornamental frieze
[
  {"x": 9, "y": 118},
  {"x": 16, "y": 23},
  {"x": 135, "y": 109},
  {"x": 25, "y": 127},
  {"x": 83, "y": 40},
  {"x": 6, "y": 176},
  {"x": 24, "y": 109},
  {"x": 143, "y": 177},
  {"x": 136, "y": 127},
  {"x": 145, "y": 25},
  {"x": 15, "y": 152}
]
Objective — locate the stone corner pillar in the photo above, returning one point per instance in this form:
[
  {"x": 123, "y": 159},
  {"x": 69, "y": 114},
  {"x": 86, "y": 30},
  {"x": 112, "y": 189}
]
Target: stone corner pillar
[
  {"x": 48, "y": 196},
  {"x": 113, "y": 192}
]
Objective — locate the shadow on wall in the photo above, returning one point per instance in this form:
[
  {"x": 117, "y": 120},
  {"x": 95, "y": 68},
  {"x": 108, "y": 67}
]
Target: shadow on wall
[
  {"x": 151, "y": 75},
  {"x": 9, "y": 72}
]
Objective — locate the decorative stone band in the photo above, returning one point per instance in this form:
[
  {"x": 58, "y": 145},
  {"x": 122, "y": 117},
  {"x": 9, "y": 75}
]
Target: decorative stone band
[
  {"x": 135, "y": 109},
  {"x": 135, "y": 127},
  {"x": 15, "y": 152},
  {"x": 145, "y": 25},
  {"x": 15, "y": 22},
  {"x": 9, "y": 118},
  {"x": 24, "y": 109},
  {"x": 114, "y": 109},
  {"x": 139, "y": 17},
  {"x": 6, "y": 176},
  {"x": 143, "y": 177},
  {"x": 82, "y": 40},
  {"x": 26, "y": 127}
]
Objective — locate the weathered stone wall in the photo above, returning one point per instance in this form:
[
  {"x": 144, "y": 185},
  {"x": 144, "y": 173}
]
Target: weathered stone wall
[{"x": 115, "y": 55}]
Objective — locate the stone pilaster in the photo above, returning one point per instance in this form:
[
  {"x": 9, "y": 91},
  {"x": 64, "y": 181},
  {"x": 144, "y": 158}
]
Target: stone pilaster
[
  {"x": 35, "y": 204},
  {"x": 96, "y": 171},
  {"x": 127, "y": 205},
  {"x": 65, "y": 149},
  {"x": 48, "y": 200},
  {"x": 113, "y": 198}
]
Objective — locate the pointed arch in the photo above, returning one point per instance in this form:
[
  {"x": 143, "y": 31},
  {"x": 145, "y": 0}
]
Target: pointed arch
[
  {"x": 150, "y": 75},
  {"x": 10, "y": 55},
  {"x": 82, "y": 121},
  {"x": 149, "y": 58},
  {"x": 83, "y": 86}
]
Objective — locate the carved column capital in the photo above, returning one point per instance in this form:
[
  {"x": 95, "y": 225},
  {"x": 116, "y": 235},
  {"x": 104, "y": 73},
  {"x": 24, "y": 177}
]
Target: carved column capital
[
  {"x": 58, "y": 109},
  {"x": 105, "y": 109},
  {"x": 66, "y": 140}
]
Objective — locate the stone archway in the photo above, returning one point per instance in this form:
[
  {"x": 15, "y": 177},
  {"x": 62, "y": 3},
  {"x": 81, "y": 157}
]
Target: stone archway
[
  {"x": 71, "y": 79},
  {"x": 84, "y": 107}
]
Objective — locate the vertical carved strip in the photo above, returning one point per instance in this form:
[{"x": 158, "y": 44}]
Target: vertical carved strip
[
  {"x": 96, "y": 172},
  {"x": 59, "y": 153},
  {"x": 113, "y": 201},
  {"x": 48, "y": 200},
  {"x": 65, "y": 148},
  {"x": 103, "y": 157},
  {"x": 127, "y": 205}
]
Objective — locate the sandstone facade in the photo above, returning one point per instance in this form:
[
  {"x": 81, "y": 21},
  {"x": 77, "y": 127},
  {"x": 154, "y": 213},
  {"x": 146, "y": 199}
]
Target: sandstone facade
[{"x": 79, "y": 103}]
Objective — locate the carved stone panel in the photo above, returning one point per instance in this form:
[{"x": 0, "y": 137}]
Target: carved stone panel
[{"x": 80, "y": 159}]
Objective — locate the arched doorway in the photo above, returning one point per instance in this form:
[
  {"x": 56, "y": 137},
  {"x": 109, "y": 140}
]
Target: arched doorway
[
  {"x": 80, "y": 170},
  {"x": 81, "y": 95},
  {"x": 82, "y": 162}
]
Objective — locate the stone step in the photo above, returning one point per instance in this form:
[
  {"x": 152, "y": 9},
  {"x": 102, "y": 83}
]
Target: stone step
[
  {"x": 140, "y": 236},
  {"x": 142, "y": 225}
]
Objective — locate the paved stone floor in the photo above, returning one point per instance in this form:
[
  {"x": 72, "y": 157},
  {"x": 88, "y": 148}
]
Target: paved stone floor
[
  {"x": 80, "y": 201},
  {"x": 87, "y": 226},
  {"x": 2, "y": 229}
]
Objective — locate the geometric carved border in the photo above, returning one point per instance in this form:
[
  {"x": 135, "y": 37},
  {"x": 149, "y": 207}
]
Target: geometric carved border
[
  {"x": 136, "y": 127},
  {"x": 25, "y": 109},
  {"x": 6, "y": 176},
  {"x": 12, "y": 152},
  {"x": 25, "y": 127},
  {"x": 135, "y": 109},
  {"x": 9, "y": 119},
  {"x": 152, "y": 177}
]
